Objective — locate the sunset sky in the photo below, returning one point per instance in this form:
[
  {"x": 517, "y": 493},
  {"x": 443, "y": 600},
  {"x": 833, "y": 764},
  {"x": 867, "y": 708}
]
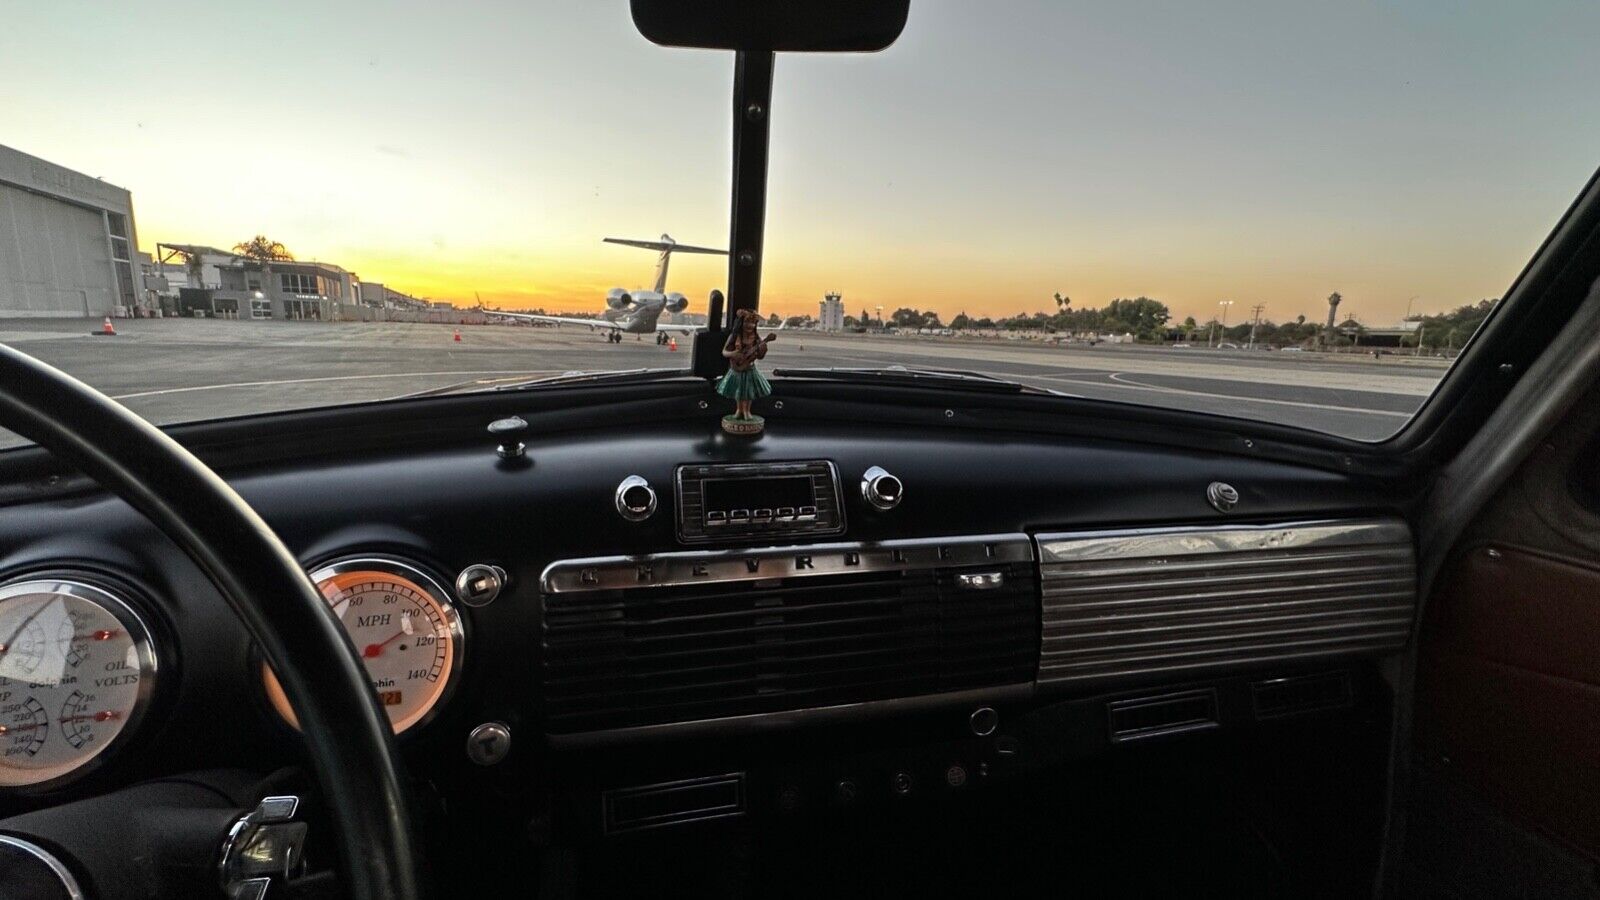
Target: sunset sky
[{"x": 1193, "y": 152}]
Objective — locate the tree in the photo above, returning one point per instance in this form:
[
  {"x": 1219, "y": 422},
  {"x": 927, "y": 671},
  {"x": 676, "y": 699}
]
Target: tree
[
  {"x": 1452, "y": 329},
  {"x": 262, "y": 249},
  {"x": 1062, "y": 303},
  {"x": 1143, "y": 316},
  {"x": 961, "y": 322},
  {"x": 906, "y": 317},
  {"x": 774, "y": 320}
]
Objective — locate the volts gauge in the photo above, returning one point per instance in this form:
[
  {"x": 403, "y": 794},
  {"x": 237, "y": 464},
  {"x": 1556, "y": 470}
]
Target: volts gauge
[
  {"x": 405, "y": 629},
  {"x": 77, "y": 668}
]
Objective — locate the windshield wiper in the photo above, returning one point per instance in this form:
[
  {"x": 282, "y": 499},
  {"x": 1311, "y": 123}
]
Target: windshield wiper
[
  {"x": 976, "y": 381},
  {"x": 602, "y": 376}
]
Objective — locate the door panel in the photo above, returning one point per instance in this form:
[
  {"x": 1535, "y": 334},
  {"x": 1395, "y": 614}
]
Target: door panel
[{"x": 1508, "y": 688}]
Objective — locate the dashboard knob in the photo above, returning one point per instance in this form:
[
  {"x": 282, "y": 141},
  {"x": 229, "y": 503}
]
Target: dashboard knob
[
  {"x": 983, "y": 721},
  {"x": 489, "y": 743},
  {"x": 508, "y": 434},
  {"x": 635, "y": 499},
  {"x": 881, "y": 490},
  {"x": 479, "y": 584}
]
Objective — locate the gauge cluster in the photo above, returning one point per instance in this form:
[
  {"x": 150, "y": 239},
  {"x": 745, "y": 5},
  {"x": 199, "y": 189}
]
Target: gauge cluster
[
  {"x": 405, "y": 628},
  {"x": 79, "y": 665},
  {"x": 77, "y": 670}
]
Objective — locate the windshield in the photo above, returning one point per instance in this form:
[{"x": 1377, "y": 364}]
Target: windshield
[{"x": 1289, "y": 214}]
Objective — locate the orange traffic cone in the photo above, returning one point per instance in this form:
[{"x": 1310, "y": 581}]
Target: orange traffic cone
[
  {"x": 672, "y": 344},
  {"x": 458, "y": 335},
  {"x": 107, "y": 328}
]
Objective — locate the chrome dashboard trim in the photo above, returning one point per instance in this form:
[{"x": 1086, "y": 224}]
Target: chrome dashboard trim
[
  {"x": 605, "y": 573},
  {"x": 1148, "y": 543},
  {"x": 1164, "y": 601}
]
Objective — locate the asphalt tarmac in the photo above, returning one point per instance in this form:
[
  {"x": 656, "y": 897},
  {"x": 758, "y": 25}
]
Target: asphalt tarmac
[{"x": 171, "y": 370}]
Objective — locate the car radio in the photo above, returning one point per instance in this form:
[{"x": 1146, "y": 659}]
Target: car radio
[{"x": 746, "y": 500}]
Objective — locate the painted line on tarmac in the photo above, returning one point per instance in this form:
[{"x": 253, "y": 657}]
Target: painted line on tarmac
[
  {"x": 250, "y": 384},
  {"x": 1117, "y": 380}
]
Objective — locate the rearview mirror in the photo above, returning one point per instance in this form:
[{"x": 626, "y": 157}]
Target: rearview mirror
[{"x": 772, "y": 25}]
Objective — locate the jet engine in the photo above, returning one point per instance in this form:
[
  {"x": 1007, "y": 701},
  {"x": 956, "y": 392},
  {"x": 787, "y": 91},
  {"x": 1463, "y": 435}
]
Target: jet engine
[
  {"x": 676, "y": 302},
  {"x": 617, "y": 298}
]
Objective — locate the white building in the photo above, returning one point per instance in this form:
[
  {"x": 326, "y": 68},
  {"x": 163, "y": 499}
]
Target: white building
[
  {"x": 67, "y": 242},
  {"x": 831, "y": 313}
]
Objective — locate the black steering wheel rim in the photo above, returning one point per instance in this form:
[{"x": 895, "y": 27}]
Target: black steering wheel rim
[{"x": 347, "y": 735}]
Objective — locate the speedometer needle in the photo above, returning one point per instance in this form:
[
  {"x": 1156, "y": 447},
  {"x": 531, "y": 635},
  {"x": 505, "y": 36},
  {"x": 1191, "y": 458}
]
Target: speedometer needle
[{"x": 374, "y": 650}]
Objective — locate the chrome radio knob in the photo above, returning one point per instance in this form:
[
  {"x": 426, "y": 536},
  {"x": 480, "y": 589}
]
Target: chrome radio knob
[
  {"x": 881, "y": 490},
  {"x": 635, "y": 499}
]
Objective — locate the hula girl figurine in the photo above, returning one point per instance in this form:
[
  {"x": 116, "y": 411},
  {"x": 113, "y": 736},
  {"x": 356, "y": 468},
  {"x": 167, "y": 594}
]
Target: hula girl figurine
[{"x": 743, "y": 383}]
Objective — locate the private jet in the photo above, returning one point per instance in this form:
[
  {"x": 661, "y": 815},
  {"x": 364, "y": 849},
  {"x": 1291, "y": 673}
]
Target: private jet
[{"x": 637, "y": 311}]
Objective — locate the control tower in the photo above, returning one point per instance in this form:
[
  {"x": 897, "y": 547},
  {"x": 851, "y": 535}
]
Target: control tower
[{"x": 830, "y": 315}]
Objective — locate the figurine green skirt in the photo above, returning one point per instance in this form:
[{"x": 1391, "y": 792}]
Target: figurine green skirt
[{"x": 747, "y": 385}]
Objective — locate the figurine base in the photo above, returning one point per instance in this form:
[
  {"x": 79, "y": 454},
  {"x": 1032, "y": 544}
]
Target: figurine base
[{"x": 732, "y": 424}]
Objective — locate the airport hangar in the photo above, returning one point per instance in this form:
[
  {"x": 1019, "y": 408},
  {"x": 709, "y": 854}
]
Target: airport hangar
[{"x": 66, "y": 241}]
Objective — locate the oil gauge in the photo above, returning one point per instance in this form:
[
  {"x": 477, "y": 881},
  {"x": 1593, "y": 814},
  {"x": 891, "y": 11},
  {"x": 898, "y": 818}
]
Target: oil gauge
[{"x": 76, "y": 670}]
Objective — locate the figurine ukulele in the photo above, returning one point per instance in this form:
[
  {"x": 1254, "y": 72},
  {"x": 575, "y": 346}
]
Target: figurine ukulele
[{"x": 744, "y": 383}]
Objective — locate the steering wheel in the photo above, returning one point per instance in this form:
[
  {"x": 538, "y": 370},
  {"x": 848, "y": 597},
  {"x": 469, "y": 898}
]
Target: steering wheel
[{"x": 351, "y": 744}]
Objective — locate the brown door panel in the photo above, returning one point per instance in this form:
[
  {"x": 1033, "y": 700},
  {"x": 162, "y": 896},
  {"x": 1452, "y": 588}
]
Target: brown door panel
[{"x": 1508, "y": 687}]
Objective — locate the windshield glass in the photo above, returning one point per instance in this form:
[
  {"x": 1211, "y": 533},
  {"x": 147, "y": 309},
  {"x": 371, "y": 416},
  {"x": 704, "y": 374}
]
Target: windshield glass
[{"x": 1296, "y": 215}]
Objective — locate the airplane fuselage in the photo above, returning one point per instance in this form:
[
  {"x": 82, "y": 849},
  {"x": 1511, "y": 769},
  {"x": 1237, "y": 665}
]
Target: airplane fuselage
[{"x": 640, "y": 316}]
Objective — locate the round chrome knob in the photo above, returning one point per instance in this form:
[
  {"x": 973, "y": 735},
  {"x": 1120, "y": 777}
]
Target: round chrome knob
[
  {"x": 1222, "y": 496},
  {"x": 881, "y": 490},
  {"x": 636, "y": 499},
  {"x": 479, "y": 584},
  {"x": 489, "y": 743},
  {"x": 983, "y": 721},
  {"x": 508, "y": 434}
]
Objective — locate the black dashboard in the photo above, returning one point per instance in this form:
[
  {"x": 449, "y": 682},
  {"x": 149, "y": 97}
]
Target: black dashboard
[{"x": 743, "y": 663}]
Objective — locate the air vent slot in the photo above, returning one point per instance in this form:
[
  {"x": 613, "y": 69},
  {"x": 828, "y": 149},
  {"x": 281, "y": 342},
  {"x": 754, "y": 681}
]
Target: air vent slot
[
  {"x": 1147, "y": 717},
  {"x": 1278, "y": 697},
  {"x": 674, "y": 803}
]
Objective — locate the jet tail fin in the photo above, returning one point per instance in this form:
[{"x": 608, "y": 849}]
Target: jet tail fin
[{"x": 667, "y": 246}]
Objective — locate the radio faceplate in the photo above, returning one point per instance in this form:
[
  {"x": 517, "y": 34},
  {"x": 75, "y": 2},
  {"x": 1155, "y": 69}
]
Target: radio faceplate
[{"x": 758, "y": 500}]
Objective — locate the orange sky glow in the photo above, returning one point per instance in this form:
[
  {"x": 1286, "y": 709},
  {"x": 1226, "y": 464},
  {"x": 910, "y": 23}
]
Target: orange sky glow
[{"x": 1405, "y": 154}]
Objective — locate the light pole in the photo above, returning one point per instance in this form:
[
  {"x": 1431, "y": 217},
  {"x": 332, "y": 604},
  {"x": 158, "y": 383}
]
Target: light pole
[{"x": 1224, "y": 304}]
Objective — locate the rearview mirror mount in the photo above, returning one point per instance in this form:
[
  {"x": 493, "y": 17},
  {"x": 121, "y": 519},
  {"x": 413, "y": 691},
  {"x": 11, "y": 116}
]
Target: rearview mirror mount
[{"x": 756, "y": 30}]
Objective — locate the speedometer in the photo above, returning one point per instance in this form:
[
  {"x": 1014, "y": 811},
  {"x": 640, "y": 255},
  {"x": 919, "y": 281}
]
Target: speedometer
[
  {"x": 405, "y": 629},
  {"x": 76, "y": 670}
]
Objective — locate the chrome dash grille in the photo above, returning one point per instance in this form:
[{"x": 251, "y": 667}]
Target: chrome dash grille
[{"x": 1176, "y": 600}]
